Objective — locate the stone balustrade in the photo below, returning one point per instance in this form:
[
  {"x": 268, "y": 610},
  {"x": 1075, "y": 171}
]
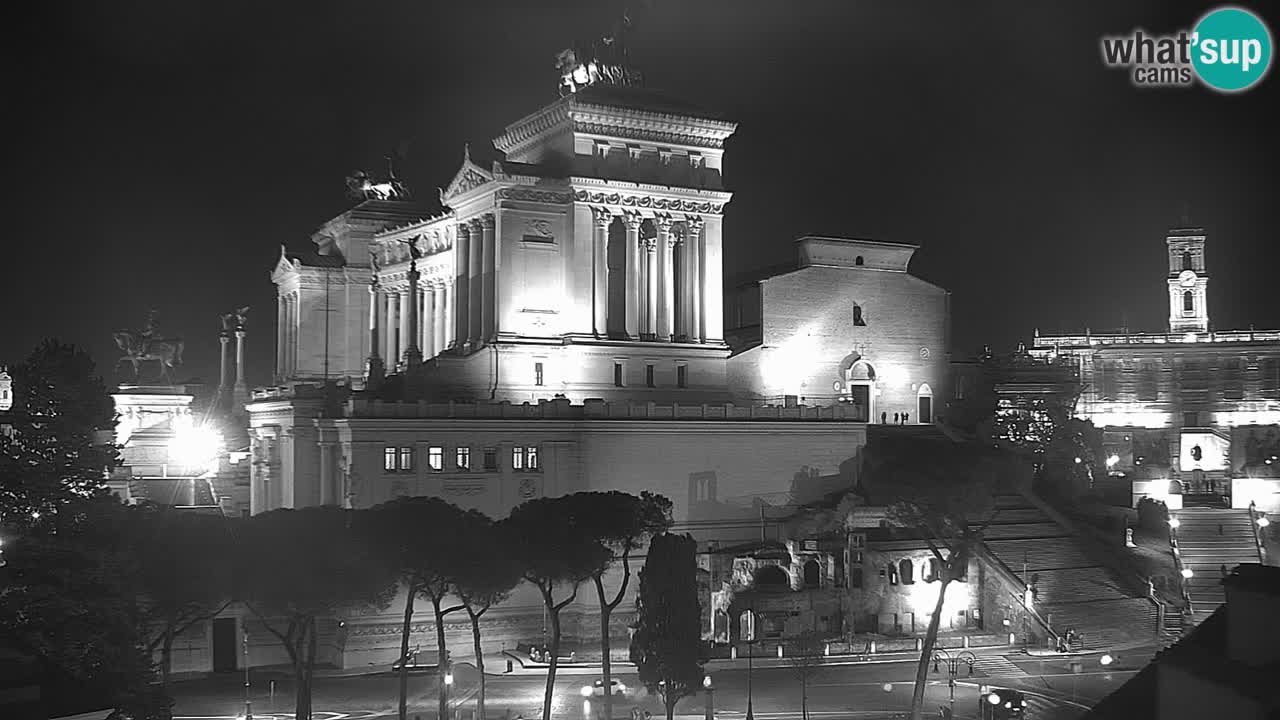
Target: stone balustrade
[{"x": 595, "y": 409}]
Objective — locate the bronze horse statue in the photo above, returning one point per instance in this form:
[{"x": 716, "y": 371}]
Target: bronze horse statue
[{"x": 138, "y": 349}]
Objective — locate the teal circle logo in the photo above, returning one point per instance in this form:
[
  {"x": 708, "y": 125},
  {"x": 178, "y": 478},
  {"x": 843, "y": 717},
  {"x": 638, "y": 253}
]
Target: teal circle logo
[{"x": 1231, "y": 49}]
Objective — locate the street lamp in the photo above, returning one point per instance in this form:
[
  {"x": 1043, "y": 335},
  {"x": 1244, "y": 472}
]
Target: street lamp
[
  {"x": 448, "y": 686},
  {"x": 1174, "y": 523},
  {"x": 953, "y": 669},
  {"x": 248, "y": 704},
  {"x": 1186, "y": 573},
  {"x": 751, "y": 640},
  {"x": 711, "y": 710}
]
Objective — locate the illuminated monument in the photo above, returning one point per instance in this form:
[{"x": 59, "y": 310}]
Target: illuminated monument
[
  {"x": 557, "y": 324},
  {"x": 1191, "y": 414}
]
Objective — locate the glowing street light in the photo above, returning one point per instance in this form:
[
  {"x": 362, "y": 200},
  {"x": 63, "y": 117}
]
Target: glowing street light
[
  {"x": 1106, "y": 659},
  {"x": 195, "y": 447},
  {"x": 585, "y": 691},
  {"x": 1174, "y": 523},
  {"x": 1263, "y": 521},
  {"x": 994, "y": 698},
  {"x": 1113, "y": 460},
  {"x": 1186, "y": 573}
]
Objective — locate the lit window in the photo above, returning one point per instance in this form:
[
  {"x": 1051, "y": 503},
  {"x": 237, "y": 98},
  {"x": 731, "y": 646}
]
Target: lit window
[
  {"x": 463, "y": 458},
  {"x": 524, "y": 458},
  {"x": 435, "y": 458},
  {"x": 389, "y": 459},
  {"x": 537, "y": 374},
  {"x": 682, "y": 376},
  {"x": 617, "y": 374},
  {"x": 648, "y": 375},
  {"x": 406, "y": 459},
  {"x": 490, "y": 458},
  {"x": 531, "y": 457},
  {"x": 517, "y": 458}
]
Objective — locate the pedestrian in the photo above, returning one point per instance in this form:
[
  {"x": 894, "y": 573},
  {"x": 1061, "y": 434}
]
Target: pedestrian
[
  {"x": 884, "y": 418},
  {"x": 896, "y": 421},
  {"x": 904, "y": 418}
]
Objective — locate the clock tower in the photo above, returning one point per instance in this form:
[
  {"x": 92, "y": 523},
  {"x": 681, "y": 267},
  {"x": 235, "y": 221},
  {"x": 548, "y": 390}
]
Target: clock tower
[{"x": 1188, "y": 302}]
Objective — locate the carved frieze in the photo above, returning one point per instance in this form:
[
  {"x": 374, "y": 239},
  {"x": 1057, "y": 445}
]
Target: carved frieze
[
  {"x": 649, "y": 203},
  {"x": 463, "y": 488},
  {"x": 538, "y": 228},
  {"x": 531, "y": 195}
]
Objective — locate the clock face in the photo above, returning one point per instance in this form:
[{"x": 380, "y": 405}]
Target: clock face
[{"x": 1187, "y": 278}]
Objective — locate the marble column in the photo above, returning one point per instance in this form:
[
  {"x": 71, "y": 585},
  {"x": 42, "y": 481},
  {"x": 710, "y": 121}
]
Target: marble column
[
  {"x": 281, "y": 344},
  {"x": 651, "y": 273},
  {"x": 291, "y": 332},
  {"x": 462, "y": 292},
  {"x": 393, "y": 327},
  {"x": 409, "y": 330},
  {"x": 693, "y": 248},
  {"x": 601, "y": 219},
  {"x": 241, "y": 390},
  {"x": 448, "y": 296},
  {"x": 374, "y": 369},
  {"x": 327, "y": 494},
  {"x": 666, "y": 279},
  {"x": 475, "y": 285},
  {"x": 488, "y": 280},
  {"x": 635, "y": 259},
  {"x": 430, "y": 347}
]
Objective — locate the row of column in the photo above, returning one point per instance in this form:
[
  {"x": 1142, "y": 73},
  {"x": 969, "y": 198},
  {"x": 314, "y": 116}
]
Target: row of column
[
  {"x": 287, "y": 334},
  {"x": 654, "y": 310},
  {"x": 389, "y": 319},
  {"x": 475, "y": 282}
]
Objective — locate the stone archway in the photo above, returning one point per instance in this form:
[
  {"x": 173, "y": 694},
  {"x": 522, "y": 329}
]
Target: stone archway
[
  {"x": 859, "y": 380},
  {"x": 924, "y": 404}
]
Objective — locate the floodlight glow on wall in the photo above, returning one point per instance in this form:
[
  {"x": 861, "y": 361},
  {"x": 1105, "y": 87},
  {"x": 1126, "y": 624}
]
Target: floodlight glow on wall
[{"x": 195, "y": 447}]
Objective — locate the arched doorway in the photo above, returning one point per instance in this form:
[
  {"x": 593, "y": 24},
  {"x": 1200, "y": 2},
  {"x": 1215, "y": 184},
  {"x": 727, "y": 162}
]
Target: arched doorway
[
  {"x": 860, "y": 382},
  {"x": 812, "y": 574},
  {"x": 772, "y": 577},
  {"x": 924, "y": 404}
]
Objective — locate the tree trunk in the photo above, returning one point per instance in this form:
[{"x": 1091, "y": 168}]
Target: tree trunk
[
  {"x": 926, "y": 651},
  {"x": 311, "y": 664},
  {"x": 475, "y": 639},
  {"x": 405, "y": 631},
  {"x": 606, "y": 669},
  {"x": 804, "y": 696},
  {"x": 442, "y": 659},
  {"x": 302, "y": 693},
  {"x": 554, "y": 616},
  {"x": 671, "y": 707},
  {"x": 166, "y": 658}
]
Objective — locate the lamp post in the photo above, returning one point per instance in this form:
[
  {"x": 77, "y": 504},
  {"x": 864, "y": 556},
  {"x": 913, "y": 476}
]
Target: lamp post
[
  {"x": 248, "y": 704},
  {"x": 711, "y": 708},
  {"x": 953, "y": 669},
  {"x": 448, "y": 687},
  {"x": 751, "y": 640}
]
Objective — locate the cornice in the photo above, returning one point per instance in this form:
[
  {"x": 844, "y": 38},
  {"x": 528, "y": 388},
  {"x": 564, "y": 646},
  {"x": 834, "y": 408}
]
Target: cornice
[
  {"x": 532, "y": 126},
  {"x": 644, "y": 202}
]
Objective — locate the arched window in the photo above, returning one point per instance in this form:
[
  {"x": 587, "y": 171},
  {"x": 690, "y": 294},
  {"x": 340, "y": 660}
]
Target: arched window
[
  {"x": 1175, "y": 487},
  {"x": 1186, "y": 260},
  {"x": 858, "y": 261},
  {"x": 906, "y": 572},
  {"x": 812, "y": 574},
  {"x": 857, "y": 315},
  {"x": 935, "y": 571},
  {"x": 1188, "y": 302}
]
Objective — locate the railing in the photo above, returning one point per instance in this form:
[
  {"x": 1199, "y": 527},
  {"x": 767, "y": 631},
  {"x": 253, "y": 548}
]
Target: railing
[{"x": 1257, "y": 532}]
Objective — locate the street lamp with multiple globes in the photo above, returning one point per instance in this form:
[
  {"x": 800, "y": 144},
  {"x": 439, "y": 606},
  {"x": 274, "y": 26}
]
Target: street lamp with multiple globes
[{"x": 953, "y": 669}]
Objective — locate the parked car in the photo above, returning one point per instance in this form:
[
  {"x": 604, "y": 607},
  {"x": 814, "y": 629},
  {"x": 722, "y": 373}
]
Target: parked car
[{"x": 596, "y": 689}]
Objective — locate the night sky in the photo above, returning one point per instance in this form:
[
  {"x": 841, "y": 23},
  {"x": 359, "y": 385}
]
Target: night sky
[{"x": 165, "y": 150}]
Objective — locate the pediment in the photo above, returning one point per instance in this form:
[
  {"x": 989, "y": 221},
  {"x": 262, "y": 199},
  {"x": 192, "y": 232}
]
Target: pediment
[{"x": 469, "y": 177}]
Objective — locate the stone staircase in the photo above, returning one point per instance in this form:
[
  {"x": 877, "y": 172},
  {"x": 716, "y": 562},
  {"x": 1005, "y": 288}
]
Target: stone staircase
[
  {"x": 1073, "y": 589},
  {"x": 1210, "y": 539}
]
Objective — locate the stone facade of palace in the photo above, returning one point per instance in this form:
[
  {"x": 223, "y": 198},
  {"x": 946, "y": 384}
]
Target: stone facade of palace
[
  {"x": 558, "y": 325},
  {"x": 1191, "y": 414}
]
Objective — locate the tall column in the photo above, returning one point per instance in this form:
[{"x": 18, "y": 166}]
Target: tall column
[
  {"x": 281, "y": 344},
  {"x": 292, "y": 333},
  {"x": 409, "y": 331},
  {"x": 650, "y": 326},
  {"x": 223, "y": 339},
  {"x": 374, "y": 369},
  {"x": 666, "y": 279},
  {"x": 634, "y": 268},
  {"x": 712, "y": 281},
  {"x": 327, "y": 494},
  {"x": 393, "y": 327},
  {"x": 450, "y": 325},
  {"x": 462, "y": 286},
  {"x": 693, "y": 244},
  {"x": 241, "y": 391},
  {"x": 429, "y": 346},
  {"x": 488, "y": 282},
  {"x": 601, "y": 219},
  {"x": 475, "y": 285}
]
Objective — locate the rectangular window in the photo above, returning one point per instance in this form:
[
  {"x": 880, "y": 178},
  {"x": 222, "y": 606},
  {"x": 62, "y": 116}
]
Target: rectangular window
[
  {"x": 537, "y": 374},
  {"x": 435, "y": 458},
  {"x": 617, "y": 374},
  {"x": 517, "y": 458},
  {"x": 406, "y": 459},
  {"x": 682, "y": 376},
  {"x": 648, "y": 375},
  {"x": 531, "y": 458},
  {"x": 389, "y": 459},
  {"x": 490, "y": 458},
  {"x": 1190, "y": 419},
  {"x": 463, "y": 458}
]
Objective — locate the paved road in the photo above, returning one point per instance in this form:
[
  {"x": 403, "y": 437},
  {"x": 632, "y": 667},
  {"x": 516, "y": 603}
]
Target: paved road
[{"x": 849, "y": 691}]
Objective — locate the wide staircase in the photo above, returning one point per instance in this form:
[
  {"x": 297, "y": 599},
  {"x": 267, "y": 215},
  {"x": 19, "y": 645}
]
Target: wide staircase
[
  {"x": 1211, "y": 541},
  {"x": 1072, "y": 588}
]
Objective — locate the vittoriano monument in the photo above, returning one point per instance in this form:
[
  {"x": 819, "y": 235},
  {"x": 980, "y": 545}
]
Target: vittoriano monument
[{"x": 148, "y": 345}]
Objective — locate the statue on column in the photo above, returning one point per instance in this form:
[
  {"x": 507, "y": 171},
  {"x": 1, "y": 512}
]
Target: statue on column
[{"x": 148, "y": 345}]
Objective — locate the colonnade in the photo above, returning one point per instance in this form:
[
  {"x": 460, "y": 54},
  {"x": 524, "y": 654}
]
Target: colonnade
[
  {"x": 665, "y": 277},
  {"x": 389, "y": 314}
]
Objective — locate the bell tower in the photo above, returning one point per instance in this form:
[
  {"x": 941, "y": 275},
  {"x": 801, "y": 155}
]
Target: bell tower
[{"x": 1188, "y": 281}]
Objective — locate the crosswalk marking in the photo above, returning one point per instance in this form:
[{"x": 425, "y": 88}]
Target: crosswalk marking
[{"x": 998, "y": 666}]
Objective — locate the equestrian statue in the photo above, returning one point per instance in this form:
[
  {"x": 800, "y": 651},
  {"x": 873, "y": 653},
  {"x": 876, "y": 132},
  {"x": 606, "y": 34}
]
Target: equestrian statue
[{"x": 147, "y": 345}]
